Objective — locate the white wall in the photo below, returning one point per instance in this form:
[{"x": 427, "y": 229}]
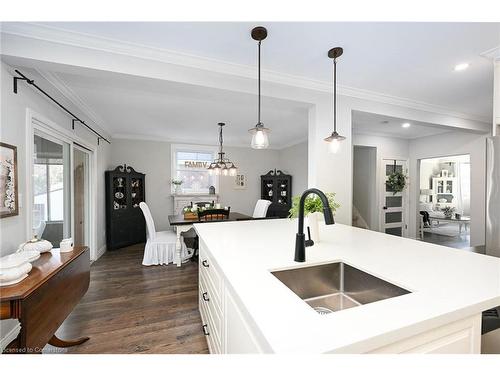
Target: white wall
[
  {"x": 386, "y": 148},
  {"x": 293, "y": 161},
  {"x": 456, "y": 143},
  {"x": 252, "y": 163},
  {"x": 153, "y": 159},
  {"x": 13, "y": 230},
  {"x": 365, "y": 184}
]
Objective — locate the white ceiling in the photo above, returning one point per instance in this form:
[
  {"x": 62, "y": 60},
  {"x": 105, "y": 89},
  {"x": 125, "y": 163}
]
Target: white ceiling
[
  {"x": 136, "y": 107},
  {"x": 407, "y": 60},
  {"x": 386, "y": 126}
]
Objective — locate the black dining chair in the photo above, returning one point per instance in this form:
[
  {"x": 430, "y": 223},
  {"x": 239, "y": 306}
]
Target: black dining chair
[{"x": 213, "y": 214}]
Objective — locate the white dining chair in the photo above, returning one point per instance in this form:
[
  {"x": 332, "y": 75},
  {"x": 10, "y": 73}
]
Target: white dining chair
[
  {"x": 261, "y": 207},
  {"x": 160, "y": 246}
]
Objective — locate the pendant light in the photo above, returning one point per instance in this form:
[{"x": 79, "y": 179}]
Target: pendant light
[
  {"x": 259, "y": 133},
  {"x": 335, "y": 138},
  {"x": 222, "y": 165}
]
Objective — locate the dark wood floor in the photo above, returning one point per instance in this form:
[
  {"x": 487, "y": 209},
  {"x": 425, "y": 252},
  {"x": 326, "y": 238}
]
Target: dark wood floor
[{"x": 130, "y": 308}]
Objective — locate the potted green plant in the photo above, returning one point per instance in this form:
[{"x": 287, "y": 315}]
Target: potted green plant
[
  {"x": 177, "y": 185},
  {"x": 313, "y": 210}
]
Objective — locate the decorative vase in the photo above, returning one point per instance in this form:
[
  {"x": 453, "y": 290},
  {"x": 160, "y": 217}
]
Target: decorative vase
[
  {"x": 178, "y": 189},
  {"x": 313, "y": 223}
]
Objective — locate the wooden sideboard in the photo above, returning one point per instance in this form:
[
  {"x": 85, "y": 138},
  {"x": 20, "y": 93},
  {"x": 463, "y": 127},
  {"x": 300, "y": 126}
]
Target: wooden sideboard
[{"x": 43, "y": 300}]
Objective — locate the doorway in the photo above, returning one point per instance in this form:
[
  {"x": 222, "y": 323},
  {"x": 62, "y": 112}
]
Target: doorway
[
  {"x": 364, "y": 188},
  {"x": 444, "y": 209}
]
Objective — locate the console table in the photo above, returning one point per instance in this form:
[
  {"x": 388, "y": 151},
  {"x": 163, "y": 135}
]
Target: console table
[{"x": 43, "y": 300}]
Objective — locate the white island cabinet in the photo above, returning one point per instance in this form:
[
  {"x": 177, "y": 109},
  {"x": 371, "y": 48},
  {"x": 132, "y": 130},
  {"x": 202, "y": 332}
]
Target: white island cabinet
[{"x": 246, "y": 309}]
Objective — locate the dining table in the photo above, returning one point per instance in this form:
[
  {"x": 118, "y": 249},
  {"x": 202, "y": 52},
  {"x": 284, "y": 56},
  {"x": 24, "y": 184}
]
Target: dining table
[{"x": 182, "y": 224}]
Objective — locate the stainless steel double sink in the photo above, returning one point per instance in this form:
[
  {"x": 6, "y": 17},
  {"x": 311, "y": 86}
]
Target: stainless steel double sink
[{"x": 336, "y": 286}]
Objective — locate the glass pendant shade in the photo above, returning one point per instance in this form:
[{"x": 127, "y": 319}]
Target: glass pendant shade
[
  {"x": 260, "y": 137},
  {"x": 334, "y": 142},
  {"x": 225, "y": 171},
  {"x": 233, "y": 171}
]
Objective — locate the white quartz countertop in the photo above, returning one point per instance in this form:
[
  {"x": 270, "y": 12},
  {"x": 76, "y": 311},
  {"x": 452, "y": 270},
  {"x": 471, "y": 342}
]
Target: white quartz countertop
[{"x": 446, "y": 284}]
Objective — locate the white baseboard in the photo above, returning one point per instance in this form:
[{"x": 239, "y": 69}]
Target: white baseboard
[
  {"x": 100, "y": 252},
  {"x": 11, "y": 335}
]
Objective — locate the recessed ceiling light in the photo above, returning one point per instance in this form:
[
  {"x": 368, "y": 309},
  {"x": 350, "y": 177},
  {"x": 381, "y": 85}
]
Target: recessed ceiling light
[
  {"x": 406, "y": 125},
  {"x": 460, "y": 67}
]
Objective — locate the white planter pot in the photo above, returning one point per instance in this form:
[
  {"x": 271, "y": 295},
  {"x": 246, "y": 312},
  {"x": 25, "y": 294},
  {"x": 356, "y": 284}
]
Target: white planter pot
[{"x": 313, "y": 223}]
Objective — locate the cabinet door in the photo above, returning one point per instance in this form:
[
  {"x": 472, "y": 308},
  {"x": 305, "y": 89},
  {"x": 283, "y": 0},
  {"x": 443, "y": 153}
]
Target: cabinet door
[{"x": 238, "y": 336}]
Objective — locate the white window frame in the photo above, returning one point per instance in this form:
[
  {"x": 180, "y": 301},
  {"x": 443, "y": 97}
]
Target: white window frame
[
  {"x": 37, "y": 122},
  {"x": 174, "y": 148}
]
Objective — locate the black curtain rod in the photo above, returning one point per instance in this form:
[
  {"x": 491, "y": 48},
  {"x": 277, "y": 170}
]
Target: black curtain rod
[{"x": 75, "y": 118}]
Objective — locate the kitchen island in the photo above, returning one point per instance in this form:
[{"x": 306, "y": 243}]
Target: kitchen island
[{"x": 246, "y": 309}]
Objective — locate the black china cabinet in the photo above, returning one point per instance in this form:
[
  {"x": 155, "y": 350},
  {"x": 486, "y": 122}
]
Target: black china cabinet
[
  {"x": 276, "y": 187},
  {"x": 125, "y": 224}
]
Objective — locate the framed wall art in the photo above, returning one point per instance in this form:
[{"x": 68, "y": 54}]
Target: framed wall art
[
  {"x": 240, "y": 182},
  {"x": 9, "y": 204}
]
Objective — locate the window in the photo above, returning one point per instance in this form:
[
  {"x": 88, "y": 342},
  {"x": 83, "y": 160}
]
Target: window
[
  {"x": 189, "y": 164},
  {"x": 51, "y": 189}
]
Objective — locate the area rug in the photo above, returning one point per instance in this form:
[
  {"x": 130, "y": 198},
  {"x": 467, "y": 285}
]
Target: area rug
[{"x": 446, "y": 229}]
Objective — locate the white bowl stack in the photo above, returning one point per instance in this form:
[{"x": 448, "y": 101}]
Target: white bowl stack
[{"x": 15, "y": 267}]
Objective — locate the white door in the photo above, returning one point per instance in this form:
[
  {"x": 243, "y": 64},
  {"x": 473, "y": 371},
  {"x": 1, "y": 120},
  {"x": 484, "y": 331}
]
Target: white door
[{"x": 393, "y": 219}]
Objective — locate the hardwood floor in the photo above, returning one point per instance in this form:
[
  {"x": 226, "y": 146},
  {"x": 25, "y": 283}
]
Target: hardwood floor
[{"x": 130, "y": 308}]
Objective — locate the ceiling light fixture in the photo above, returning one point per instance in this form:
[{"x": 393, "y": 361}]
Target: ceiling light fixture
[
  {"x": 460, "y": 67},
  {"x": 259, "y": 133},
  {"x": 405, "y": 125},
  {"x": 335, "y": 138},
  {"x": 222, "y": 165}
]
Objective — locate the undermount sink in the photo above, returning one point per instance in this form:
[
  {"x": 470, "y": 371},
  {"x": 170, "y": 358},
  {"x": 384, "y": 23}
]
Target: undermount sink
[{"x": 336, "y": 286}]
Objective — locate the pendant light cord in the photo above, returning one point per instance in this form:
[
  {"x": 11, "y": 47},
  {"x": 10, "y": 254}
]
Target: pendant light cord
[
  {"x": 335, "y": 95},
  {"x": 259, "y": 123}
]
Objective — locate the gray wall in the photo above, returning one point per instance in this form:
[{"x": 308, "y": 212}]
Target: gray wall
[
  {"x": 13, "y": 107},
  {"x": 293, "y": 160},
  {"x": 153, "y": 159}
]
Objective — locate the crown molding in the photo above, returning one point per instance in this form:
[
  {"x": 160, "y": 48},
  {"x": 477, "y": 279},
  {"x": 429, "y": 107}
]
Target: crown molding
[
  {"x": 149, "y": 138},
  {"x": 98, "y": 43},
  {"x": 493, "y": 53},
  {"x": 73, "y": 98}
]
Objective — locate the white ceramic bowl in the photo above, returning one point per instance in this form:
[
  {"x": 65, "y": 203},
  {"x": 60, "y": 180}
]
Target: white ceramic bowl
[{"x": 12, "y": 275}]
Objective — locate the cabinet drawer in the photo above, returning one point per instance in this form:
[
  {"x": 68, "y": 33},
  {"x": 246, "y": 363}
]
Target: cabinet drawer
[
  {"x": 212, "y": 275},
  {"x": 213, "y": 308},
  {"x": 212, "y": 336}
]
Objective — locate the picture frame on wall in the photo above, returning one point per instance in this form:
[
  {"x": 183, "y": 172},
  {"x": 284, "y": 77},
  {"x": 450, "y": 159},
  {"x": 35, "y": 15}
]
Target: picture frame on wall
[
  {"x": 240, "y": 182},
  {"x": 9, "y": 203}
]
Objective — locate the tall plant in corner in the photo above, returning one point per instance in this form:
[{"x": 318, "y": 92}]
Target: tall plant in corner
[{"x": 313, "y": 210}]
